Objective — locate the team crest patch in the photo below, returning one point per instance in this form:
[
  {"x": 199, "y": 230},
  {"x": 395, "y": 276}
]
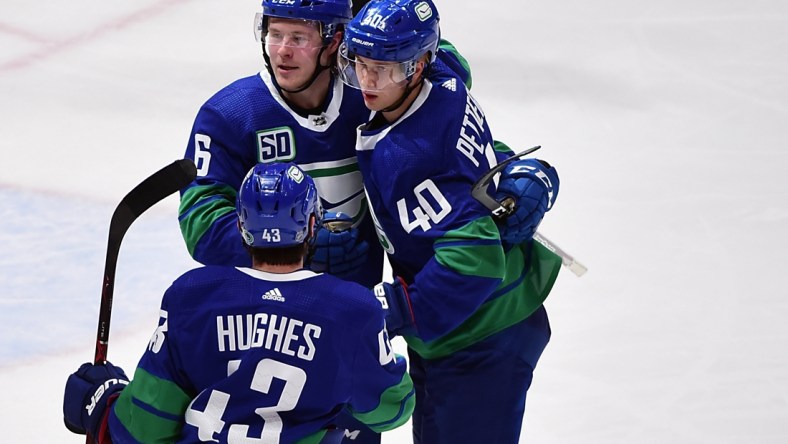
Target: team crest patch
[
  {"x": 423, "y": 11},
  {"x": 296, "y": 174},
  {"x": 275, "y": 145}
]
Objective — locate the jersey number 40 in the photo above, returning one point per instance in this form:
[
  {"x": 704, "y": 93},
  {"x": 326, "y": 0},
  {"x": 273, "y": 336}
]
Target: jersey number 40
[{"x": 432, "y": 207}]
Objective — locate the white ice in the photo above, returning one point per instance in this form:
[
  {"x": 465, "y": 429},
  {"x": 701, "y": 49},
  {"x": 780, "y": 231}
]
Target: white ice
[{"x": 668, "y": 122}]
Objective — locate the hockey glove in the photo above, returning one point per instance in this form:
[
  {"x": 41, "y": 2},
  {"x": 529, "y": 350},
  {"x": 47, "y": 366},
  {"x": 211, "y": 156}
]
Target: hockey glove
[
  {"x": 338, "y": 249},
  {"x": 88, "y": 391},
  {"x": 396, "y": 302},
  {"x": 533, "y": 184}
]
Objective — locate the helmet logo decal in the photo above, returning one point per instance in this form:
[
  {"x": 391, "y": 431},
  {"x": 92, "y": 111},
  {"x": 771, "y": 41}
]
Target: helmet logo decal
[
  {"x": 283, "y": 2},
  {"x": 248, "y": 237},
  {"x": 296, "y": 174},
  {"x": 362, "y": 42},
  {"x": 423, "y": 11},
  {"x": 376, "y": 21},
  {"x": 275, "y": 145}
]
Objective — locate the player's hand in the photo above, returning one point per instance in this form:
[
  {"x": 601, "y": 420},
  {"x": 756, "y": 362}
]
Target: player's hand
[
  {"x": 396, "y": 302},
  {"x": 533, "y": 184},
  {"x": 338, "y": 249},
  {"x": 87, "y": 393}
]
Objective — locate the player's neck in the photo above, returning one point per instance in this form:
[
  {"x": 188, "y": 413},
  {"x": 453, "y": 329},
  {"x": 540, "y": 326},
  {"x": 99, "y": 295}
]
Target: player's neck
[
  {"x": 278, "y": 269},
  {"x": 393, "y": 115},
  {"x": 314, "y": 96}
]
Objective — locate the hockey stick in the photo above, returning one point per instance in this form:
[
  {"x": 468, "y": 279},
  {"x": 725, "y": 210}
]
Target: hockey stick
[
  {"x": 501, "y": 210},
  {"x": 159, "y": 185},
  {"x": 479, "y": 191}
]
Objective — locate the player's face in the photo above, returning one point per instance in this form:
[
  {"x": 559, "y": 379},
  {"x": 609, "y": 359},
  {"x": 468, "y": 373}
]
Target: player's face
[
  {"x": 293, "y": 47},
  {"x": 381, "y": 83}
]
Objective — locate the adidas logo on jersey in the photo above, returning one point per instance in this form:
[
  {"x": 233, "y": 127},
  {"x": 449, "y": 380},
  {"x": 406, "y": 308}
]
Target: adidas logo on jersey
[
  {"x": 450, "y": 84},
  {"x": 274, "y": 295}
]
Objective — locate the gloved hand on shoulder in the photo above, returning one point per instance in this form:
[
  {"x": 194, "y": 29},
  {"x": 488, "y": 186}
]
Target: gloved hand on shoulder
[
  {"x": 396, "y": 302},
  {"x": 87, "y": 395},
  {"x": 338, "y": 249},
  {"x": 533, "y": 184}
]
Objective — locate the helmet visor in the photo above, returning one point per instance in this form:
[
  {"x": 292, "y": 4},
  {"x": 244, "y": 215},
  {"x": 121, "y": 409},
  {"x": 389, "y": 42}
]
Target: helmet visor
[
  {"x": 371, "y": 75},
  {"x": 298, "y": 37}
]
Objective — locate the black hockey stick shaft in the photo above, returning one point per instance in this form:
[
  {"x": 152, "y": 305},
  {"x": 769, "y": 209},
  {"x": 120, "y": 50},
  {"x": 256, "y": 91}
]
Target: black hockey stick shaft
[
  {"x": 479, "y": 191},
  {"x": 159, "y": 185}
]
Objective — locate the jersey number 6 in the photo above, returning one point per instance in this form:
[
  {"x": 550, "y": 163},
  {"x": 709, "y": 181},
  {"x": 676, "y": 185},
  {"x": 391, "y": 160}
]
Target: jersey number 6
[{"x": 202, "y": 155}]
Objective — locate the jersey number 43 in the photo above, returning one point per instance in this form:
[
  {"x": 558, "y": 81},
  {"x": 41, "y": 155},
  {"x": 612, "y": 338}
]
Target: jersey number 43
[{"x": 209, "y": 421}]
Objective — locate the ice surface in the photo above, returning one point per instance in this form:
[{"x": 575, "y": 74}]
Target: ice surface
[{"x": 668, "y": 122}]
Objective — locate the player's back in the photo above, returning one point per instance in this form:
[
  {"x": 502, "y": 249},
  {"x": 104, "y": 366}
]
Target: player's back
[{"x": 267, "y": 355}]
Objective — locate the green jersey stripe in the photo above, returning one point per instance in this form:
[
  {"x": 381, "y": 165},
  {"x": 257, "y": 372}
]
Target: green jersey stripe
[
  {"x": 395, "y": 407},
  {"x": 202, "y": 208},
  {"x": 511, "y": 307},
  {"x": 465, "y": 258},
  {"x": 162, "y": 396}
]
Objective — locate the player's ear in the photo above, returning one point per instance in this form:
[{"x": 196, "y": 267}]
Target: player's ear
[
  {"x": 421, "y": 66},
  {"x": 333, "y": 45},
  {"x": 312, "y": 226}
]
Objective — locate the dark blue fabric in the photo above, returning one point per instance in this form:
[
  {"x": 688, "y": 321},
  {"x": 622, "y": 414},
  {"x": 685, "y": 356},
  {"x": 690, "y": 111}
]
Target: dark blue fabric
[
  {"x": 86, "y": 395},
  {"x": 477, "y": 395},
  {"x": 356, "y": 431},
  {"x": 340, "y": 252}
]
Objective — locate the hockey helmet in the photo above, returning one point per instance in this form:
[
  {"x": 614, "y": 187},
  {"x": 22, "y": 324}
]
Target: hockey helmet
[
  {"x": 275, "y": 204},
  {"x": 390, "y": 31},
  {"x": 330, "y": 14}
]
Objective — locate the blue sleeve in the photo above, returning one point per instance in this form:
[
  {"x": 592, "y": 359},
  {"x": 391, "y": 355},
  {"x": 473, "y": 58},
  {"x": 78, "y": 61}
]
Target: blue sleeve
[
  {"x": 451, "y": 57},
  {"x": 207, "y": 209},
  {"x": 383, "y": 394},
  {"x": 152, "y": 407},
  {"x": 467, "y": 261},
  {"x": 467, "y": 264}
]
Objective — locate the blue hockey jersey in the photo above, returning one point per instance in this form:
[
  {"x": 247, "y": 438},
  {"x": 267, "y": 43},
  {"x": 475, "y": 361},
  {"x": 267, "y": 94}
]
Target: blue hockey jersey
[
  {"x": 418, "y": 173},
  {"x": 241, "y": 355},
  {"x": 249, "y": 122}
]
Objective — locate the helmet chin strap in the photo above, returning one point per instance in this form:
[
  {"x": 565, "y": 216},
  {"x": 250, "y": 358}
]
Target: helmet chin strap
[
  {"x": 318, "y": 69},
  {"x": 408, "y": 89}
]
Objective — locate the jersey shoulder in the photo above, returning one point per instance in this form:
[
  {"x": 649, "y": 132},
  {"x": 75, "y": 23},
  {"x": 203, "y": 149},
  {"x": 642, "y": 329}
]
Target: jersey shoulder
[
  {"x": 450, "y": 62},
  {"x": 351, "y": 302},
  {"x": 195, "y": 282},
  {"x": 243, "y": 95}
]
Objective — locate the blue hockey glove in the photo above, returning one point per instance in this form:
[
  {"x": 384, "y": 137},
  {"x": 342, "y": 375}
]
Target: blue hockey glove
[
  {"x": 338, "y": 249},
  {"x": 87, "y": 392},
  {"x": 533, "y": 184},
  {"x": 396, "y": 302}
]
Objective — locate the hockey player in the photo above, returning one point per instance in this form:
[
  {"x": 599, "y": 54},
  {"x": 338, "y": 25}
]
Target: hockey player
[
  {"x": 468, "y": 304},
  {"x": 270, "y": 353},
  {"x": 293, "y": 110}
]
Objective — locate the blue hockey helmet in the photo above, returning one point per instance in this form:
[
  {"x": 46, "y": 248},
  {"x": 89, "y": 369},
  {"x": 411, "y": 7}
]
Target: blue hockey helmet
[
  {"x": 275, "y": 204},
  {"x": 394, "y": 30},
  {"x": 329, "y": 13}
]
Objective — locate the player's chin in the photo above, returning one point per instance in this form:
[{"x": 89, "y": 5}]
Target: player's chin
[{"x": 287, "y": 75}]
